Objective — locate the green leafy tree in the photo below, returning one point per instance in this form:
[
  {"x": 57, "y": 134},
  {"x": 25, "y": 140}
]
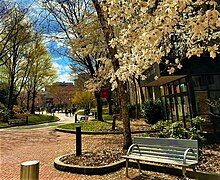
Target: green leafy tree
[
  {"x": 83, "y": 99},
  {"x": 16, "y": 66}
]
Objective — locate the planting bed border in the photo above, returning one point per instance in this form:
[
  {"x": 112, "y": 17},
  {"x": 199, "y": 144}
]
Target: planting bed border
[{"x": 100, "y": 170}]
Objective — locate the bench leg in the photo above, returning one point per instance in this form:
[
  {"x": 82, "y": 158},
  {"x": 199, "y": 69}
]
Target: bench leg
[
  {"x": 184, "y": 172},
  {"x": 126, "y": 172},
  {"x": 139, "y": 166}
]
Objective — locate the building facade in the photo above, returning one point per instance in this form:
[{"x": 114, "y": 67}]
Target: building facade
[
  {"x": 185, "y": 94},
  {"x": 59, "y": 94}
]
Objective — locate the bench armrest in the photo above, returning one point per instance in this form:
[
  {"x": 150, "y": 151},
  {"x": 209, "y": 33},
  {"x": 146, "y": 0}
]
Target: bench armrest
[
  {"x": 185, "y": 154},
  {"x": 131, "y": 148}
]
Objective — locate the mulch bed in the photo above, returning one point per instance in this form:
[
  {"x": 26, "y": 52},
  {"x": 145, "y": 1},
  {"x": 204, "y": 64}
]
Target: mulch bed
[{"x": 110, "y": 151}]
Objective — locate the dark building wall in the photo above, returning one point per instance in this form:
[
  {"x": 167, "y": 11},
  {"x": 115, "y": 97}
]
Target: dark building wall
[{"x": 197, "y": 65}]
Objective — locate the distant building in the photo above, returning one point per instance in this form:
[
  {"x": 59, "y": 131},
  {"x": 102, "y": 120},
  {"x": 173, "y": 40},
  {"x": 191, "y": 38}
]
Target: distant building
[{"x": 59, "y": 94}]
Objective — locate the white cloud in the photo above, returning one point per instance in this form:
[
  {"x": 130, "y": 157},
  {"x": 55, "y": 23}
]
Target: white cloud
[
  {"x": 64, "y": 77},
  {"x": 57, "y": 58},
  {"x": 63, "y": 72}
]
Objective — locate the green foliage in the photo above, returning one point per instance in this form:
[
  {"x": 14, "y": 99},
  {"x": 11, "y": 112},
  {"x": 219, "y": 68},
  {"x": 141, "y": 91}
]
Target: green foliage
[
  {"x": 4, "y": 113},
  {"x": 215, "y": 104},
  {"x": 177, "y": 130},
  {"x": 132, "y": 110},
  {"x": 3, "y": 93},
  {"x": 83, "y": 99},
  {"x": 116, "y": 109},
  {"x": 152, "y": 111}
]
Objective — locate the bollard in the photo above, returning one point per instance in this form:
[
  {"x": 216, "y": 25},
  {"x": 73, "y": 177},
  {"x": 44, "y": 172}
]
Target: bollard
[
  {"x": 113, "y": 122},
  {"x": 30, "y": 170},
  {"x": 78, "y": 141},
  {"x": 27, "y": 120},
  {"x": 75, "y": 118}
]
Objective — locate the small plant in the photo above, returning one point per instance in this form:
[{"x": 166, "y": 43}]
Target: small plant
[
  {"x": 133, "y": 110},
  {"x": 152, "y": 111},
  {"x": 4, "y": 113},
  {"x": 176, "y": 129}
]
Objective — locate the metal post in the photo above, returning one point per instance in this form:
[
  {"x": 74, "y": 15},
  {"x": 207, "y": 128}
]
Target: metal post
[
  {"x": 26, "y": 119},
  {"x": 113, "y": 122},
  {"x": 78, "y": 141},
  {"x": 75, "y": 118},
  {"x": 30, "y": 170}
]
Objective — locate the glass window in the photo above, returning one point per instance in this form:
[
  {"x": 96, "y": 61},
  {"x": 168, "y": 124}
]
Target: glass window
[
  {"x": 162, "y": 90},
  {"x": 215, "y": 95},
  {"x": 172, "y": 88},
  {"x": 174, "y": 110},
  {"x": 200, "y": 82},
  {"x": 214, "y": 81},
  {"x": 167, "y": 89},
  {"x": 168, "y": 108},
  {"x": 183, "y": 85},
  {"x": 201, "y": 102},
  {"x": 176, "y": 87},
  {"x": 179, "y": 107},
  {"x": 164, "y": 107}
]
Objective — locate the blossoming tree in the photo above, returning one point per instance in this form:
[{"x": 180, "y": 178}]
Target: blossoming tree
[{"x": 140, "y": 33}]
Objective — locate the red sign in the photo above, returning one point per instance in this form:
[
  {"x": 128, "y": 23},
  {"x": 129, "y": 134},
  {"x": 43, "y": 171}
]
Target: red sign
[{"x": 104, "y": 93}]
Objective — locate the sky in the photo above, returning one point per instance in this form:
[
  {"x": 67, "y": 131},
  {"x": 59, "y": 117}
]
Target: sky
[{"x": 61, "y": 63}]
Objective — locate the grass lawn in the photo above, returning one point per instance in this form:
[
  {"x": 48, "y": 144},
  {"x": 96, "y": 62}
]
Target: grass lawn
[
  {"x": 36, "y": 119},
  {"x": 41, "y": 118},
  {"x": 90, "y": 126}
]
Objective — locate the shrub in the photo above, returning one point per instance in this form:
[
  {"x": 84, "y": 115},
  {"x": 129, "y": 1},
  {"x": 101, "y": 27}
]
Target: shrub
[
  {"x": 4, "y": 113},
  {"x": 132, "y": 110},
  {"x": 177, "y": 130},
  {"x": 152, "y": 111}
]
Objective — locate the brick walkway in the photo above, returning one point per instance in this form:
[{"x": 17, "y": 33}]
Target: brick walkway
[
  {"x": 20, "y": 144},
  {"x": 45, "y": 145}
]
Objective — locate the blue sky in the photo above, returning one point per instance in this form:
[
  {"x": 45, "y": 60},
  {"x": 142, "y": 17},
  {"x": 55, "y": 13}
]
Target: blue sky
[{"x": 61, "y": 63}]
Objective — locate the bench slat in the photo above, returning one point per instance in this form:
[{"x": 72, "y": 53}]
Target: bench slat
[
  {"x": 166, "y": 147},
  {"x": 163, "y": 149},
  {"x": 161, "y": 160},
  {"x": 166, "y": 142},
  {"x": 161, "y": 154}
]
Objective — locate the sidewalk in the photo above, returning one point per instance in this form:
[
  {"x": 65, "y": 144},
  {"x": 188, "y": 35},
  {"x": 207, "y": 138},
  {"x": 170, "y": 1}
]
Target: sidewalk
[{"x": 45, "y": 145}]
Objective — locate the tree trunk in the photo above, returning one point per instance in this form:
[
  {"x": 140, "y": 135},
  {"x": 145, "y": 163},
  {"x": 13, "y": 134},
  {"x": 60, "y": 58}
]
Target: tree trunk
[
  {"x": 124, "y": 115},
  {"x": 136, "y": 99},
  {"x": 109, "y": 34},
  {"x": 110, "y": 112},
  {"x": 33, "y": 101},
  {"x": 28, "y": 100},
  {"x": 141, "y": 90},
  {"x": 11, "y": 93},
  {"x": 99, "y": 105}
]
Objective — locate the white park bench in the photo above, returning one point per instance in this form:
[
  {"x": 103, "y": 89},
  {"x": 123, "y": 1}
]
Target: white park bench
[{"x": 180, "y": 152}]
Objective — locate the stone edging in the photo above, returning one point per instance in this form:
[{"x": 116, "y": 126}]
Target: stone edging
[
  {"x": 100, "y": 170},
  {"x": 89, "y": 170},
  {"x": 101, "y": 132}
]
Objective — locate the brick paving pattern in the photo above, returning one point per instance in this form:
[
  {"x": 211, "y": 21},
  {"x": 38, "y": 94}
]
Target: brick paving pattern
[
  {"x": 22, "y": 144},
  {"x": 45, "y": 145}
]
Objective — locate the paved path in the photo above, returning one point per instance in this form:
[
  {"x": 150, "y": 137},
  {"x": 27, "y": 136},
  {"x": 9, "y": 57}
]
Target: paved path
[{"x": 43, "y": 143}]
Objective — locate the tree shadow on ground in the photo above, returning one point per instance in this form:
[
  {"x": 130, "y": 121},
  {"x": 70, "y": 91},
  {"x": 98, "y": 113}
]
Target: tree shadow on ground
[{"x": 148, "y": 177}]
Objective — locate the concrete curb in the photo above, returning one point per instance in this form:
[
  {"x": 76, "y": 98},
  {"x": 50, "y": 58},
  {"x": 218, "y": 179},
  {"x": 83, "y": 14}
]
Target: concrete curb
[
  {"x": 89, "y": 170},
  {"x": 100, "y": 170},
  {"x": 100, "y": 132}
]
